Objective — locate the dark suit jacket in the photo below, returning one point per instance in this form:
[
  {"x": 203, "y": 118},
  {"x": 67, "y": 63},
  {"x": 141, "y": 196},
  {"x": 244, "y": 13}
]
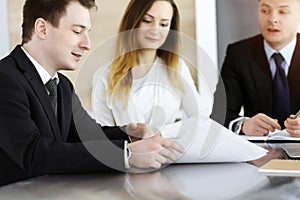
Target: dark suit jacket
[
  {"x": 34, "y": 142},
  {"x": 248, "y": 81}
]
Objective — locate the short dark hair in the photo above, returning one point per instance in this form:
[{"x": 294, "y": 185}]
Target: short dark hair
[{"x": 49, "y": 10}]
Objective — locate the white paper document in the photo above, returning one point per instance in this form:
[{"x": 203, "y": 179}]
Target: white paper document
[
  {"x": 273, "y": 136},
  {"x": 206, "y": 141}
]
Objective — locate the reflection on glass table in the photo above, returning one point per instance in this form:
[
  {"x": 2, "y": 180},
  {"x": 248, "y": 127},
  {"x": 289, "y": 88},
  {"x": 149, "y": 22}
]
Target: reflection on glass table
[{"x": 232, "y": 181}]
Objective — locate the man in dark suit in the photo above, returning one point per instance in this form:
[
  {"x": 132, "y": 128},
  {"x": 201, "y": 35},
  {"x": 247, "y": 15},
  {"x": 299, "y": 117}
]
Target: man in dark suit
[
  {"x": 40, "y": 134},
  {"x": 249, "y": 72}
]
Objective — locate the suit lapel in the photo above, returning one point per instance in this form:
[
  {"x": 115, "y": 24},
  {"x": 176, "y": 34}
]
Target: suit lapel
[
  {"x": 37, "y": 85},
  {"x": 262, "y": 76},
  {"x": 294, "y": 77}
]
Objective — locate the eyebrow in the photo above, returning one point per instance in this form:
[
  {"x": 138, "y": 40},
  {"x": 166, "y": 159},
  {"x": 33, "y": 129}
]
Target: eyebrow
[
  {"x": 154, "y": 17},
  {"x": 282, "y": 6}
]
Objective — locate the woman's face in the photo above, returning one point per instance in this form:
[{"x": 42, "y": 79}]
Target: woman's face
[{"x": 155, "y": 25}]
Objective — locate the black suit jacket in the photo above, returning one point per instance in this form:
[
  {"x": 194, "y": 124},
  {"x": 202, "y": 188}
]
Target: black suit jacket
[
  {"x": 34, "y": 142},
  {"x": 248, "y": 81}
]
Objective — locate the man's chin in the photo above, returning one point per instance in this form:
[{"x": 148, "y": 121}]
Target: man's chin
[{"x": 273, "y": 40}]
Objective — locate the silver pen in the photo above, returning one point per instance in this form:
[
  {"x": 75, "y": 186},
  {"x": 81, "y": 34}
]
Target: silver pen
[{"x": 297, "y": 114}]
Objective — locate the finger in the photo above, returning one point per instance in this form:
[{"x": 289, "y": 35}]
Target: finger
[
  {"x": 135, "y": 129},
  {"x": 260, "y": 131},
  {"x": 292, "y": 127},
  {"x": 151, "y": 161},
  {"x": 292, "y": 116},
  {"x": 270, "y": 124},
  {"x": 288, "y": 124},
  {"x": 293, "y": 133},
  {"x": 160, "y": 158},
  {"x": 266, "y": 126},
  {"x": 167, "y": 153},
  {"x": 156, "y": 164},
  {"x": 257, "y": 133},
  {"x": 173, "y": 145},
  {"x": 293, "y": 122},
  {"x": 131, "y": 126}
]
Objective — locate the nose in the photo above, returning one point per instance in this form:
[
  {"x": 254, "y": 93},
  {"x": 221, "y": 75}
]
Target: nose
[
  {"x": 85, "y": 42},
  {"x": 155, "y": 27},
  {"x": 274, "y": 18},
  {"x": 156, "y": 24},
  {"x": 275, "y": 21}
]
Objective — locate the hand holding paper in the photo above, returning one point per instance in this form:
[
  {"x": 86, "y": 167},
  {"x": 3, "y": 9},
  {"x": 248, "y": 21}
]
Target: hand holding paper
[{"x": 212, "y": 142}]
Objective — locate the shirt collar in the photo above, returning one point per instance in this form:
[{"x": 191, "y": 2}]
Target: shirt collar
[
  {"x": 45, "y": 76},
  {"x": 286, "y": 52}
]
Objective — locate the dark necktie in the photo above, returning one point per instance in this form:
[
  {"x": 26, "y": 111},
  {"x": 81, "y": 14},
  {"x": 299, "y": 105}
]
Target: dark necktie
[
  {"x": 281, "y": 96},
  {"x": 52, "y": 88}
]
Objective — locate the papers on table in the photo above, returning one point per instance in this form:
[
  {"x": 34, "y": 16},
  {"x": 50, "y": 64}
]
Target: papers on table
[
  {"x": 277, "y": 167},
  {"x": 207, "y": 141},
  {"x": 273, "y": 136}
]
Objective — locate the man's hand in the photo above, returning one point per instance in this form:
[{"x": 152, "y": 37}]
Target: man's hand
[
  {"x": 138, "y": 131},
  {"x": 260, "y": 125},
  {"x": 153, "y": 152},
  {"x": 292, "y": 125}
]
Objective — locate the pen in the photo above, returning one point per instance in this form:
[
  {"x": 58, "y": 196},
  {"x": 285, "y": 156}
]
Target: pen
[{"x": 297, "y": 114}]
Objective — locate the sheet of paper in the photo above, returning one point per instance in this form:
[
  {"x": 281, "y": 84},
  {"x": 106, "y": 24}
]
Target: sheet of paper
[
  {"x": 275, "y": 136},
  {"x": 207, "y": 141}
]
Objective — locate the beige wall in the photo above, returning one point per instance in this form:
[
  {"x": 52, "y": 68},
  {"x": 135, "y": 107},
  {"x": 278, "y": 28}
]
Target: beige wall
[{"x": 105, "y": 23}]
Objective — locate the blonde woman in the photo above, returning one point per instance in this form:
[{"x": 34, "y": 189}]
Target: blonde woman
[{"x": 147, "y": 82}]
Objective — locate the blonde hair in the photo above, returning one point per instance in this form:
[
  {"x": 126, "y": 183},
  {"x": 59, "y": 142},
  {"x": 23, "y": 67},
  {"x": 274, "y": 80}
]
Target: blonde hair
[{"x": 120, "y": 78}]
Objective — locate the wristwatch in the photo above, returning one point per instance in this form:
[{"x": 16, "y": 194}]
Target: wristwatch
[{"x": 238, "y": 126}]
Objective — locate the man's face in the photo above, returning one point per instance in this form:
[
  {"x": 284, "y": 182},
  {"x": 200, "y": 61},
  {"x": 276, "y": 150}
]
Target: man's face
[
  {"x": 278, "y": 21},
  {"x": 67, "y": 43}
]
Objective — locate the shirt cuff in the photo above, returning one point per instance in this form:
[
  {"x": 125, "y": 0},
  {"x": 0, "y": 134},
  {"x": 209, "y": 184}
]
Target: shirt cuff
[
  {"x": 127, "y": 154},
  {"x": 237, "y": 122}
]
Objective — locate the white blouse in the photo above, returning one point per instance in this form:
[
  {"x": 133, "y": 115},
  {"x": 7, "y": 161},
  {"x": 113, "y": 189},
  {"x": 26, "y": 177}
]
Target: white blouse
[{"x": 152, "y": 100}]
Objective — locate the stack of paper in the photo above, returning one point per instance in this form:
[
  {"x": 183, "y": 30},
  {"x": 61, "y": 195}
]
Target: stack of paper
[
  {"x": 273, "y": 136},
  {"x": 277, "y": 167}
]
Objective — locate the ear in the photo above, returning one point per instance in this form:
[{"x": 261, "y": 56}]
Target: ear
[{"x": 40, "y": 28}]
